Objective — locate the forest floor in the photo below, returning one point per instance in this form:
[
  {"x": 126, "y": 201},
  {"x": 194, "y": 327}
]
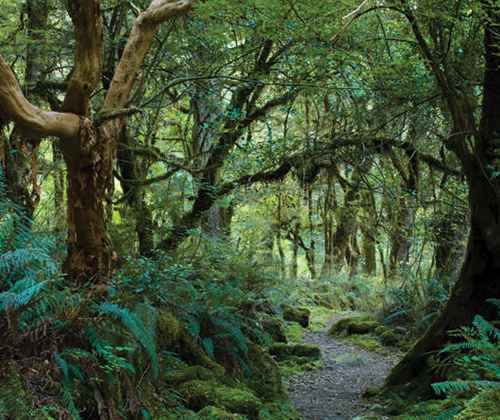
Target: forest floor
[{"x": 335, "y": 392}]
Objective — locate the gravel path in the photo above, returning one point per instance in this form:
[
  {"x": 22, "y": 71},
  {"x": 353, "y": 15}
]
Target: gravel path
[{"x": 335, "y": 391}]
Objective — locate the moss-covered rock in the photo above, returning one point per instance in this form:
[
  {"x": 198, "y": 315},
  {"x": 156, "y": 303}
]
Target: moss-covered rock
[
  {"x": 389, "y": 338},
  {"x": 191, "y": 373},
  {"x": 265, "y": 379},
  {"x": 486, "y": 405},
  {"x": 274, "y": 327},
  {"x": 282, "y": 351},
  {"x": 354, "y": 325},
  {"x": 216, "y": 413},
  {"x": 198, "y": 394},
  {"x": 361, "y": 327},
  {"x": 277, "y": 411},
  {"x": 297, "y": 314},
  {"x": 341, "y": 325},
  {"x": 236, "y": 400},
  {"x": 349, "y": 359}
]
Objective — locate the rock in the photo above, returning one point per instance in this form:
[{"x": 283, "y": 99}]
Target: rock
[
  {"x": 282, "y": 351},
  {"x": 389, "y": 338},
  {"x": 215, "y": 413},
  {"x": 239, "y": 401},
  {"x": 274, "y": 327},
  {"x": 168, "y": 330},
  {"x": 191, "y": 373},
  {"x": 349, "y": 359},
  {"x": 297, "y": 314}
]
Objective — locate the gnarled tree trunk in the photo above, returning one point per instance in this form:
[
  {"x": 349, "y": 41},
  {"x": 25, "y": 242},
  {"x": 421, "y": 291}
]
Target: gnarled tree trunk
[{"x": 88, "y": 147}]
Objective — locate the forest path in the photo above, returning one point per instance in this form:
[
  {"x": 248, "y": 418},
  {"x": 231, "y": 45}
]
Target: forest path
[{"x": 335, "y": 391}]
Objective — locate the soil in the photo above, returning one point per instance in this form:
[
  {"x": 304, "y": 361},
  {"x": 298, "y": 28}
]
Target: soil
[{"x": 336, "y": 391}]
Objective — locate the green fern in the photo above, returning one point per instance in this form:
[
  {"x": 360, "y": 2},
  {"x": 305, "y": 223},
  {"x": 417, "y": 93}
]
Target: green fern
[
  {"x": 476, "y": 357},
  {"x": 135, "y": 325}
]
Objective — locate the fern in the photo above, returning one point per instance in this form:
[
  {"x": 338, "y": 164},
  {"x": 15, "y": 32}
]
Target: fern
[
  {"x": 477, "y": 357},
  {"x": 135, "y": 325}
]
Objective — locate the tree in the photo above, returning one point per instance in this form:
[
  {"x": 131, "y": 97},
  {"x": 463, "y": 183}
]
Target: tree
[
  {"x": 88, "y": 145},
  {"x": 475, "y": 143}
]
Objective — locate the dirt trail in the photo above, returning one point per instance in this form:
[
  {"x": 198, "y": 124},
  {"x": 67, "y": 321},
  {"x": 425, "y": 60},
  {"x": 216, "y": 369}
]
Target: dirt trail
[{"x": 335, "y": 391}]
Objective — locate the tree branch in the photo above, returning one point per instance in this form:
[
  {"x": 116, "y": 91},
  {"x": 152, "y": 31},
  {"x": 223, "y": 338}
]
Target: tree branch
[{"x": 31, "y": 121}]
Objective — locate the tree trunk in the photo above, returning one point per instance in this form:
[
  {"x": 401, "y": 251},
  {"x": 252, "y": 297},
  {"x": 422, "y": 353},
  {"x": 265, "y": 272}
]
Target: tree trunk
[
  {"x": 88, "y": 150},
  {"x": 478, "y": 279}
]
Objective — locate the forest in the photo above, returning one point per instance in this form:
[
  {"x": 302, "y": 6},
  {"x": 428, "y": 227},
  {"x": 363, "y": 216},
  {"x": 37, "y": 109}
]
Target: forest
[{"x": 192, "y": 192}]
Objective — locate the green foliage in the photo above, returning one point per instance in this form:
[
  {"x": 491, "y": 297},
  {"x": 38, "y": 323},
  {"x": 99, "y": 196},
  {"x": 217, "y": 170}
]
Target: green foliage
[
  {"x": 135, "y": 326},
  {"x": 474, "y": 361}
]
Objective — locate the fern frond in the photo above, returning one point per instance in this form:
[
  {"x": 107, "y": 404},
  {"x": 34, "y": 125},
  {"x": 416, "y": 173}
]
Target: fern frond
[
  {"x": 136, "y": 327},
  {"x": 450, "y": 386},
  {"x": 21, "y": 295},
  {"x": 485, "y": 328}
]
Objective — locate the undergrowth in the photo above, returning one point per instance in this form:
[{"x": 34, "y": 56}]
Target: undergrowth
[{"x": 78, "y": 353}]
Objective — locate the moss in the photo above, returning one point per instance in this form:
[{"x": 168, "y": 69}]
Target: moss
[
  {"x": 297, "y": 314},
  {"x": 349, "y": 359},
  {"x": 274, "y": 327},
  {"x": 276, "y": 411},
  {"x": 341, "y": 325},
  {"x": 361, "y": 327},
  {"x": 486, "y": 405},
  {"x": 216, "y": 413},
  {"x": 191, "y": 373},
  {"x": 282, "y": 351},
  {"x": 198, "y": 394},
  {"x": 389, "y": 338},
  {"x": 295, "y": 365},
  {"x": 168, "y": 330},
  {"x": 320, "y": 318},
  {"x": 293, "y": 332},
  {"x": 265, "y": 379},
  {"x": 238, "y": 400},
  {"x": 13, "y": 397}
]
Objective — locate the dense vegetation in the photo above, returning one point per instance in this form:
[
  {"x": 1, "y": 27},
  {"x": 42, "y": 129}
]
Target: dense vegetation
[{"x": 178, "y": 176}]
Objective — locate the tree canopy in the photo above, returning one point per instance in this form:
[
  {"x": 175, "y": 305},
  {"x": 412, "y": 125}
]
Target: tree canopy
[{"x": 318, "y": 137}]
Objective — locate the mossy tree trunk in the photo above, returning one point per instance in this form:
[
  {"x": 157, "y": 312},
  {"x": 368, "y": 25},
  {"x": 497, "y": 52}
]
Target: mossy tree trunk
[{"x": 477, "y": 149}]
